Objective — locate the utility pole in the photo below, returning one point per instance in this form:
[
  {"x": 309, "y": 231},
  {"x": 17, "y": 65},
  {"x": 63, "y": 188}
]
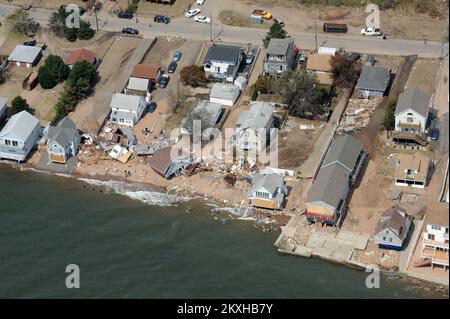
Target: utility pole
[
  {"x": 211, "y": 31},
  {"x": 315, "y": 28},
  {"x": 96, "y": 19}
]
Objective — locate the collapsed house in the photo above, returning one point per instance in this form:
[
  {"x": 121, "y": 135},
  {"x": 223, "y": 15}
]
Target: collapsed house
[{"x": 169, "y": 162}]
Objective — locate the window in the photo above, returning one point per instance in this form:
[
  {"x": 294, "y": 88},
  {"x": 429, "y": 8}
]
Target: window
[
  {"x": 15, "y": 143},
  {"x": 7, "y": 142},
  {"x": 384, "y": 238},
  {"x": 390, "y": 239},
  {"x": 435, "y": 227},
  {"x": 410, "y": 119},
  {"x": 262, "y": 194},
  {"x": 430, "y": 236}
]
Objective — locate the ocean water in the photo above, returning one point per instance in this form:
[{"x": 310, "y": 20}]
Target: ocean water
[{"x": 146, "y": 244}]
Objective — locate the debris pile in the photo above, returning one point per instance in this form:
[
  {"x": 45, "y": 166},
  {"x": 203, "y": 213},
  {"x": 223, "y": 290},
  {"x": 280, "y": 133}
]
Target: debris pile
[{"x": 357, "y": 115}]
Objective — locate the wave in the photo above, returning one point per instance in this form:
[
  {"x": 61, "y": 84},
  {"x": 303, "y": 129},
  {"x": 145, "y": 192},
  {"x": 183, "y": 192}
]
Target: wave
[{"x": 144, "y": 196}]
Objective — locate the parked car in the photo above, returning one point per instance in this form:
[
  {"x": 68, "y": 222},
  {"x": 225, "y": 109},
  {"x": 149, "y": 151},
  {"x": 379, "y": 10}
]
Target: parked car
[
  {"x": 202, "y": 19},
  {"x": 161, "y": 19},
  {"x": 176, "y": 56},
  {"x": 434, "y": 134},
  {"x": 151, "y": 107},
  {"x": 172, "y": 67},
  {"x": 126, "y": 15},
  {"x": 200, "y": 2},
  {"x": 250, "y": 56},
  {"x": 266, "y": 15},
  {"x": 163, "y": 81},
  {"x": 128, "y": 30},
  {"x": 192, "y": 12},
  {"x": 371, "y": 31},
  {"x": 30, "y": 43},
  {"x": 301, "y": 59}
]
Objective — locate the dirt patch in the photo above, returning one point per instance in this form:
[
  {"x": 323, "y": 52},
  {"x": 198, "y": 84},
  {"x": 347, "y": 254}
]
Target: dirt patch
[
  {"x": 237, "y": 19},
  {"x": 160, "y": 52},
  {"x": 423, "y": 75}
]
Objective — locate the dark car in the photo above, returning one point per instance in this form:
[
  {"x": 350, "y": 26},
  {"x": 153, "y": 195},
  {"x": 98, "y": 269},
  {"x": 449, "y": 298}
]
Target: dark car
[
  {"x": 125, "y": 15},
  {"x": 161, "y": 19},
  {"x": 130, "y": 31},
  {"x": 172, "y": 67},
  {"x": 30, "y": 43},
  {"x": 163, "y": 81},
  {"x": 151, "y": 107},
  {"x": 434, "y": 134}
]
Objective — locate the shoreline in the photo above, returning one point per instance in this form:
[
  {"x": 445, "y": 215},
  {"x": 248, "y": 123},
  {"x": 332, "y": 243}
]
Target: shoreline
[{"x": 184, "y": 195}]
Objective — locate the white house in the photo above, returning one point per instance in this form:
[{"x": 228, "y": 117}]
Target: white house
[
  {"x": 63, "y": 141},
  {"x": 411, "y": 112},
  {"x": 223, "y": 61},
  {"x": 268, "y": 191},
  {"x": 435, "y": 236},
  {"x": 225, "y": 94},
  {"x": 392, "y": 228},
  {"x": 127, "y": 109},
  {"x": 253, "y": 127},
  {"x": 26, "y": 56},
  {"x": 19, "y": 136}
]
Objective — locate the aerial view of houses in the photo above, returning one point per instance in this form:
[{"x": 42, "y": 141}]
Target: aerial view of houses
[{"x": 335, "y": 144}]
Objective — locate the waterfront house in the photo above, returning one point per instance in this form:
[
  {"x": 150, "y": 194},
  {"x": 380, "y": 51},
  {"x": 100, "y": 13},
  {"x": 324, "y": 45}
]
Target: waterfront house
[
  {"x": 63, "y": 141},
  {"x": 210, "y": 115},
  {"x": 253, "y": 127},
  {"x": 81, "y": 55},
  {"x": 392, "y": 228},
  {"x": 126, "y": 109},
  {"x": 225, "y": 94},
  {"x": 411, "y": 170},
  {"x": 373, "y": 81},
  {"x": 320, "y": 65},
  {"x": 268, "y": 191},
  {"x": 222, "y": 62},
  {"x": 19, "y": 136},
  {"x": 328, "y": 196},
  {"x": 3, "y": 108},
  {"x": 25, "y": 56},
  {"x": 279, "y": 56},
  {"x": 435, "y": 236},
  {"x": 169, "y": 162},
  {"x": 411, "y": 116},
  {"x": 147, "y": 71}
]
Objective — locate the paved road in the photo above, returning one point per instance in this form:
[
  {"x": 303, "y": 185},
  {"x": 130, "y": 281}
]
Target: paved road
[{"x": 189, "y": 29}]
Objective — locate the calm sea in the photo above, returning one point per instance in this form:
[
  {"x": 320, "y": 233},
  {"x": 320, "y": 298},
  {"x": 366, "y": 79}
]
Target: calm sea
[{"x": 127, "y": 247}]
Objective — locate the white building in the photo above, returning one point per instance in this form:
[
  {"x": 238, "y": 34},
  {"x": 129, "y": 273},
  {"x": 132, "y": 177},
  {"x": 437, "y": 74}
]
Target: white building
[
  {"x": 435, "y": 236},
  {"x": 225, "y": 94},
  {"x": 26, "y": 56},
  {"x": 223, "y": 61},
  {"x": 411, "y": 112},
  {"x": 253, "y": 127},
  {"x": 19, "y": 136},
  {"x": 127, "y": 109}
]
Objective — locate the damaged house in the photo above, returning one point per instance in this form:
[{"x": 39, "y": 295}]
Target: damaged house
[{"x": 169, "y": 162}]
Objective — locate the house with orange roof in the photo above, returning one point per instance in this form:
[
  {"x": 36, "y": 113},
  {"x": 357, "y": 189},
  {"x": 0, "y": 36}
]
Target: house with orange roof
[{"x": 81, "y": 55}]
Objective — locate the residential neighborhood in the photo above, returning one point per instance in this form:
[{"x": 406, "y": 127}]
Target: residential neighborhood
[{"x": 338, "y": 144}]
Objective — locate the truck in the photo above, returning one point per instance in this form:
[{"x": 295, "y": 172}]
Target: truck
[
  {"x": 371, "y": 31},
  {"x": 335, "y": 27},
  {"x": 266, "y": 15}
]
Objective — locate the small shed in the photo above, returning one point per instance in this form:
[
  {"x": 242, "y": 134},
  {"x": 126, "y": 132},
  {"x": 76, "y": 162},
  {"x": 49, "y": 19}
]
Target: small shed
[
  {"x": 225, "y": 94},
  {"x": 241, "y": 83},
  {"x": 25, "y": 56}
]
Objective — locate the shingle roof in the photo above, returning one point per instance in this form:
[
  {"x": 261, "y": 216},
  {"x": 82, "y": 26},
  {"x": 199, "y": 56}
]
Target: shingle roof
[
  {"x": 414, "y": 99},
  {"x": 80, "y": 55},
  {"x": 163, "y": 158},
  {"x": 24, "y": 53},
  {"x": 223, "y": 53},
  {"x": 269, "y": 181},
  {"x": 145, "y": 71},
  {"x": 437, "y": 214},
  {"x": 63, "y": 133},
  {"x": 330, "y": 185},
  {"x": 394, "y": 219},
  {"x": 20, "y": 125},
  {"x": 257, "y": 117},
  {"x": 279, "y": 46},
  {"x": 345, "y": 150},
  {"x": 224, "y": 91},
  {"x": 373, "y": 78},
  {"x": 127, "y": 102},
  {"x": 319, "y": 62}
]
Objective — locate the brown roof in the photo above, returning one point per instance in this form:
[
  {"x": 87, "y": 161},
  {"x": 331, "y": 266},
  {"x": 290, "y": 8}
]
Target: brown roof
[
  {"x": 417, "y": 162},
  {"x": 437, "y": 214},
  {"x": 325, "y": 78},
  {"x": 80, "y": 55},
  {"x": 319, "y": 62},
  {"x": 393, "y": 219},
  {"x": 145, "y": 71},
  {"x": 162, "y": 158}
]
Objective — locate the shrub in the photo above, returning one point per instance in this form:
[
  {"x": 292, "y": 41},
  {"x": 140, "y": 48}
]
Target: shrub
[{"x": 19, "y": 104}]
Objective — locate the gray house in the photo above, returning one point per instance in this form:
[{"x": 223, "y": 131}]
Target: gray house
[
  {"x": 373, "y": 81},
  {"x": 392, "y": 228},
  {"x": 223, "y": 61},
  {"x": 63, "y": 141},
  {"x": 340, "y": 168},
  {"x": 279, "y": 56},
  {"x": 19, "y": 136},
  {"x": 3, "y": 108},
  {"x": 411, "y": 112},
  {"x": 268, "y": 191}
]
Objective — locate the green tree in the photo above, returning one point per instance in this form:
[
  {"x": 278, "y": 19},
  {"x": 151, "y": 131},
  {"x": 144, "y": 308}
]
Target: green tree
[
  {"x": 19, "y": 104},
  {"x": 57, "y": 22},
  {"x": 52, "y": 72},
  {"x": 21, "y": 22},
  {"x": 85, "y": 32},
  {"x": 276, "y": 31},
  {"x": 71, "y": 34},
  {"x": 389, "y": 117},
  {"x": 301, "y": 92}
]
